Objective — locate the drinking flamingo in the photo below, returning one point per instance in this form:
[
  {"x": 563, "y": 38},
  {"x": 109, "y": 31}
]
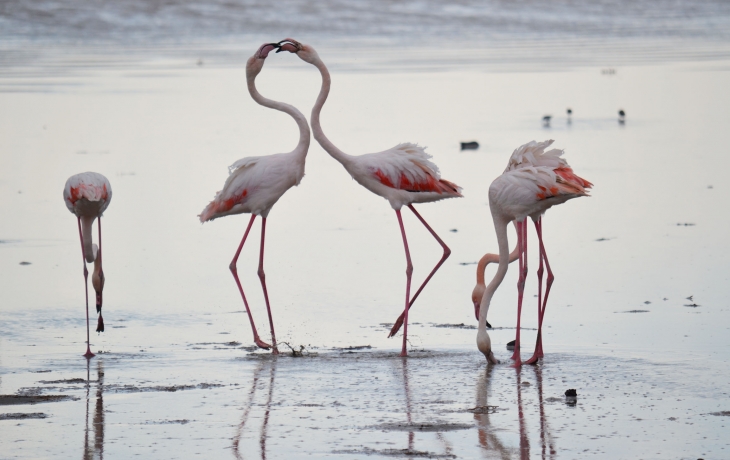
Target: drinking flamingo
[
  {"x": 534, "y": 181},
  {"x": 87, "y": 195},
  {"x": 403, "y": 175},
  {"x": 255, "y": 184}
]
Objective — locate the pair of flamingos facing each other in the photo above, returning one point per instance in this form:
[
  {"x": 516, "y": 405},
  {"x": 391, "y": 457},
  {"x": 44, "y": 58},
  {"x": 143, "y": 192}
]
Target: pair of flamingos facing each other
[{"x": 534, "y": 181}]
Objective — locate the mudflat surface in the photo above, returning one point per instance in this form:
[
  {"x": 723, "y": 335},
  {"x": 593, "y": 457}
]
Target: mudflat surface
[{"x": 638, "y": 320}]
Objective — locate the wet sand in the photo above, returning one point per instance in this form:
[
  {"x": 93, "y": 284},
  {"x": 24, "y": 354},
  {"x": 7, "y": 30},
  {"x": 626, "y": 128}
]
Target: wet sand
[{"x": 637, "y": 321}]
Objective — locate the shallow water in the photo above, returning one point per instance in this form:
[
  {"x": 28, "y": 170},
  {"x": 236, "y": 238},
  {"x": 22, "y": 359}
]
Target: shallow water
[{"x": 638, "y": 317}]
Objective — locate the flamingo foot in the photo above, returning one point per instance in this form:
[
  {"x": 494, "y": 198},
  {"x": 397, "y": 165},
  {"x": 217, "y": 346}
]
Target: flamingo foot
[
  {"x": 275, "y": 351},
  {"x": 88, "y": 354},
  {"x": 404, "y": 354},
  {"x": 396, "y": 327},
  {"x": 534, "y": 358},
  {"x": 261, "y": 344},
  {"x": 517, "y": 364}
]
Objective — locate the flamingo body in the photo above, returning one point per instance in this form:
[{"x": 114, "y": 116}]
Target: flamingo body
[
  {"x": 402, "y": 175},
  {"x": 255, "y": 184},
  {"x": 87, "y": 194}
]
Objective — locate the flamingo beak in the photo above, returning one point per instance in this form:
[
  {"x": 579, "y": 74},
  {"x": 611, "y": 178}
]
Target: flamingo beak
[
  {"x": 290, "y": 45},
  {"x": 476, "y": 313},
  {"x": 265, "y": 49}
]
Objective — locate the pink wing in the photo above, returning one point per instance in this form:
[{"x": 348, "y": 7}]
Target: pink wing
[{"x": 408, "y": 167}]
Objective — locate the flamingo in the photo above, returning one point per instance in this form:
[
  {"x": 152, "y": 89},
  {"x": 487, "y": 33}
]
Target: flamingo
[
  {"x": 534, "y": 181},
  {"x": 255, "y": 184},
  {"x": 403, "y": 175},
  {"x": 87, "y": 195}
]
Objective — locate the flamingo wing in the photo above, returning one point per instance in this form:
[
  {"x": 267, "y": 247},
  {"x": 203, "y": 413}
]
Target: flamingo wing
[
  {"x": 241, "y": 180},
  {"x": 407, "y": 167}
]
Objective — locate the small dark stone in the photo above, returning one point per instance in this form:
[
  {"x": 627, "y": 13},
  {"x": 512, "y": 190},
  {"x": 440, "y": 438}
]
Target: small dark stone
[
  {"x": 511, "y": 345},
  {"x": 571, "y": 393},
  {"x": 472, "y": 145}
]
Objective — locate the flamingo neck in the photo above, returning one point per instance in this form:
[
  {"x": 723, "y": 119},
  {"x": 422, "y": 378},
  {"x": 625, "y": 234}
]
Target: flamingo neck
[
  {"x": 484, "y": 343},
  {"x": 90, "y": 249},
  {"x": 319, "y": 135},
  {"x": 299, "y": 118}
]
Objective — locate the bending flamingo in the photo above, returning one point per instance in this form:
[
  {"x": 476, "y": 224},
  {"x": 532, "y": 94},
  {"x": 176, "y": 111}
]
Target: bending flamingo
[
  {"x": 534, "y": 181},
  {"x": 403, "y": 175},
  {"x": 87, "y": 195},
  {"x": 255, "y": 184}
]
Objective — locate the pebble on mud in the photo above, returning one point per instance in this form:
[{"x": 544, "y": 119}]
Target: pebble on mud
[{"x": 571, "y": 393}]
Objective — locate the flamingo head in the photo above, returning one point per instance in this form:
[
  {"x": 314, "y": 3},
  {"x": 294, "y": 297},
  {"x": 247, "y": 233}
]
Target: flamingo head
[
  {"x": 476, "y": 298},
  {"x": 305, "y": 52},
  {"x": 484, "y": 344},
  {"x": 256, "y": 62}
]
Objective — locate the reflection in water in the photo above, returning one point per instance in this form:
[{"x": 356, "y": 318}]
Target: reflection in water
[
  {"x": 247, "y": 409},
  {"x": 95, "y": 450},
  {"x": 448, "y": 448},
  {"x": 490, "y": 442}
]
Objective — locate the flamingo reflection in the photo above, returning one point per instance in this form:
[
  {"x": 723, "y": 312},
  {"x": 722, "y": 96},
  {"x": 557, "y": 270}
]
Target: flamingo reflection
[
  {"x": 263, "y": 433},
  {"x": 95, "y": 449},
  {"x": 448, "y": 447},
  {"x": 487, "y": 438}
]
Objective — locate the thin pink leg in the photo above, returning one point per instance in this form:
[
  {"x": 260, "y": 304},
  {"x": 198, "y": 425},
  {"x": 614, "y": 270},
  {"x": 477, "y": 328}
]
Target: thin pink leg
[
  {"x": 88, "y": 353},
  {"x": 262, "y": 277},
  {"x": 260, "y": 343},
  {"x": 522, "y": 243},
  {"x": 447, "y": 253},
  {"x": 548, "y": 285},
  {"x": 538, "y": 344},
  {"x": 409, "y": 272}
]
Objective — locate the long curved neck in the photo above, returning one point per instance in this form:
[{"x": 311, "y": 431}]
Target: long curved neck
[
  {"x": 490, "y": 259},
  {"x": 326, "y": 144},
  {"x": 299, "y": 118},
  {"x": 500, "y": 227},
  {"x": 90, "y": 249}
]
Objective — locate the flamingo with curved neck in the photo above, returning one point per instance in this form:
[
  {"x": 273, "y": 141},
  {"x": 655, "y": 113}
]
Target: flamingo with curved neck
[
  {"x": 255, "y": 184},
  {"x": 87, "y": 195},
  {"x": 533, "y": 182},
  {"x": 403, "y": 175}
]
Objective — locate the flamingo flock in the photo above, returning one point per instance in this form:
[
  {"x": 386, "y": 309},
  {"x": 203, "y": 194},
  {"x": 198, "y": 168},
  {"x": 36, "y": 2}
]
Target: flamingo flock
[{"x": 535, "y": 180}]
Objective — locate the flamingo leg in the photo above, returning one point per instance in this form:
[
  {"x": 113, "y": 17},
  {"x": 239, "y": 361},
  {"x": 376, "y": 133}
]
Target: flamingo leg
[
  {"x": 262, "y": 277},
  {"x": 522, "y": 243},
  {"x": 100, "y": 321},
  {"x": 541, "y": 307},
  {"x": 447, "y": 253},
  {"x": 260, "y": 343},
  {"x": 88, "y": 353},
  {"x": 409, "y": 272}
]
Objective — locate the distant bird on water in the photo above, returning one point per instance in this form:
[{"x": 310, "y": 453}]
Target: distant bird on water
[
  {"x": 569, "y": 112},
  {"x": 621, "y": 116},
  {"x": 255, "y": 184},
  {"x": 473, "y": 145},
  {"x": 87, "y": 195},
  {"x": 546, "y": 121},
  {"x": 534, "y": 181},
  {"x": 403, "y": 175}
]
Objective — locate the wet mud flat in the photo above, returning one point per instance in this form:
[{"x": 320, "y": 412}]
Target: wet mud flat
[{"x": 361, "y": 402}]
